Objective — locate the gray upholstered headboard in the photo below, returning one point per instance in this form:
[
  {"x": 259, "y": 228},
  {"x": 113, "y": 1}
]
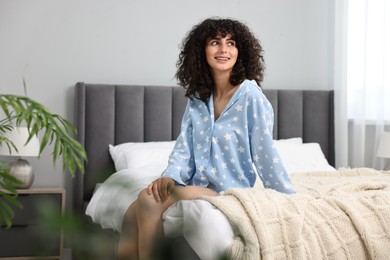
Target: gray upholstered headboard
[{"x": 114, "y": 114}]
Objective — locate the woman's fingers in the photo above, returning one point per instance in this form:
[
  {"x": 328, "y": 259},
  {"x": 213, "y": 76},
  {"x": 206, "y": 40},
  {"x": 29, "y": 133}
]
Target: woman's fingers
[
  {"x": 166, "y": 188},
  {"x": 161, "y": 189},
  {"x": 156, "y": 190},
  {"x": 150, "y": 188}
]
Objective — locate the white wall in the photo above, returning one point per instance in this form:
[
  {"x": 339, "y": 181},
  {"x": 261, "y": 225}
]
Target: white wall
[{"x": 56, "y": 43}]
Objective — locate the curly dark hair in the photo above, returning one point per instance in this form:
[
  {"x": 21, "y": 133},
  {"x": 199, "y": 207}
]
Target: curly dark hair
[{"x": 193, "y": 71}]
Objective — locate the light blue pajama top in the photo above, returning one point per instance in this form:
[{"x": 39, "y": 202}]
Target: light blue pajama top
[{"x": 227, "y": 152}]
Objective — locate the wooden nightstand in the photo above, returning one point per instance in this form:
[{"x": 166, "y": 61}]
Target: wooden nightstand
[{"x": 25, "y": 239}]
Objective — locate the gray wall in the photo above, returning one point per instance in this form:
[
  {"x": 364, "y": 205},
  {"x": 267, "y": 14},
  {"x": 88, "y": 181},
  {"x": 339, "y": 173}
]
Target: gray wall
[{"x": 55, "y": 43}]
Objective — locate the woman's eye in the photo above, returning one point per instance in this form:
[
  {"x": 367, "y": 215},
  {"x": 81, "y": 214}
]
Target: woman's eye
[
  {"x": 214, "y": 43},
  {"x": 231, "y": 44}
]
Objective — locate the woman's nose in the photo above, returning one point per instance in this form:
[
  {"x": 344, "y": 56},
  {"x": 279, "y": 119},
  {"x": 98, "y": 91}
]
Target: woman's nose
[{"x": 223, "y": 47}]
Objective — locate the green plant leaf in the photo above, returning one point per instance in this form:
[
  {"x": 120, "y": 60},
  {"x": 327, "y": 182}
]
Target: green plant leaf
[
  {"x": 8, "y": 195},
  {"x": 12, "y": 199},
  {"x": 56, "y": 129},
  {"x": 5, "y": 108},
  {"x": 8, "y": 182},
  {"x": 4, "y": 218},
  {"x": 45, "y": 139},
  {"x": 8, "y": 210}
]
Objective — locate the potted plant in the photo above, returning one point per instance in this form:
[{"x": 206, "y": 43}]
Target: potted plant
[{"x": 53, "y": 129}]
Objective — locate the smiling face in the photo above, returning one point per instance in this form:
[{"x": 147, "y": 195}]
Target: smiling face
[{"x": 221, "y": 53}]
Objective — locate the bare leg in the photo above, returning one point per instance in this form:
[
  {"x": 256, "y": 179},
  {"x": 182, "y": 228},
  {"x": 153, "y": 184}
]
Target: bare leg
[
  {"x": 128, "y": 243},
  {"x": 149, "y": 213}
]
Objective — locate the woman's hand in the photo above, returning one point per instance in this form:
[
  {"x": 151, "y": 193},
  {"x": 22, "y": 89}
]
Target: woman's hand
[{"x": 161, "y": 188}]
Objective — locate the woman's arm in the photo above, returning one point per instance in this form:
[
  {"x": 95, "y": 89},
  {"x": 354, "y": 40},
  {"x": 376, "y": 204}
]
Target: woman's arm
[
  {"x": 265, "y": 157},
  {"x": 181, "y": 165}
]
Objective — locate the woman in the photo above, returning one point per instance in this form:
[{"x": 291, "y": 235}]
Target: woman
[{"x": 226, "y": 131}]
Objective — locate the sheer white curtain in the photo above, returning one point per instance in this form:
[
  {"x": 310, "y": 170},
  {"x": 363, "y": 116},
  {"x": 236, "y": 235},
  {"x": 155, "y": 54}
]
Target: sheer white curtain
[{"x": 362, "y": 78}]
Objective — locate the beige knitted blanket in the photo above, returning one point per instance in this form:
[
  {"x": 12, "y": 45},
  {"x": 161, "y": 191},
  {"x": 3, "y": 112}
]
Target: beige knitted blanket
[{"x": 334, "y": 215}]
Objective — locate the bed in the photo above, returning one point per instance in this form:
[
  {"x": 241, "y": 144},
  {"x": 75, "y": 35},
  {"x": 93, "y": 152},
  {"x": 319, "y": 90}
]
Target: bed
[{"x": 151, "y": 115}]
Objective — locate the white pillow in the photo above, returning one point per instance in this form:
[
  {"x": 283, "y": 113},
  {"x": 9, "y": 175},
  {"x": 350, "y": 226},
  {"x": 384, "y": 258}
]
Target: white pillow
[
  {"x": 112, "y": 198},
  {"x": 294, "y": 140},
  {"x": 302, "y": 157},
  {"x": 139, "y": 155}
]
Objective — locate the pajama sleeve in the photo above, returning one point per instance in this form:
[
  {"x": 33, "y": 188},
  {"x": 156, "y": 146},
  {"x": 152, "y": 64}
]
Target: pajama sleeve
[
  {"x": 265, "y": 157},
  {"x": 181, "y": 164}
]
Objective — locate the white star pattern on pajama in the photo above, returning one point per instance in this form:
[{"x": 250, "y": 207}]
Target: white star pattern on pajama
[{"x": 223, "y": 154}]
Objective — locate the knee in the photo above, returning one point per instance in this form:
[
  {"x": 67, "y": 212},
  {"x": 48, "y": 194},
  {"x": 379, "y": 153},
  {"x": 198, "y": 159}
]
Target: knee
[
  {"x": 146, "y": 202},
  {"x": 145, "y": 198}
]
